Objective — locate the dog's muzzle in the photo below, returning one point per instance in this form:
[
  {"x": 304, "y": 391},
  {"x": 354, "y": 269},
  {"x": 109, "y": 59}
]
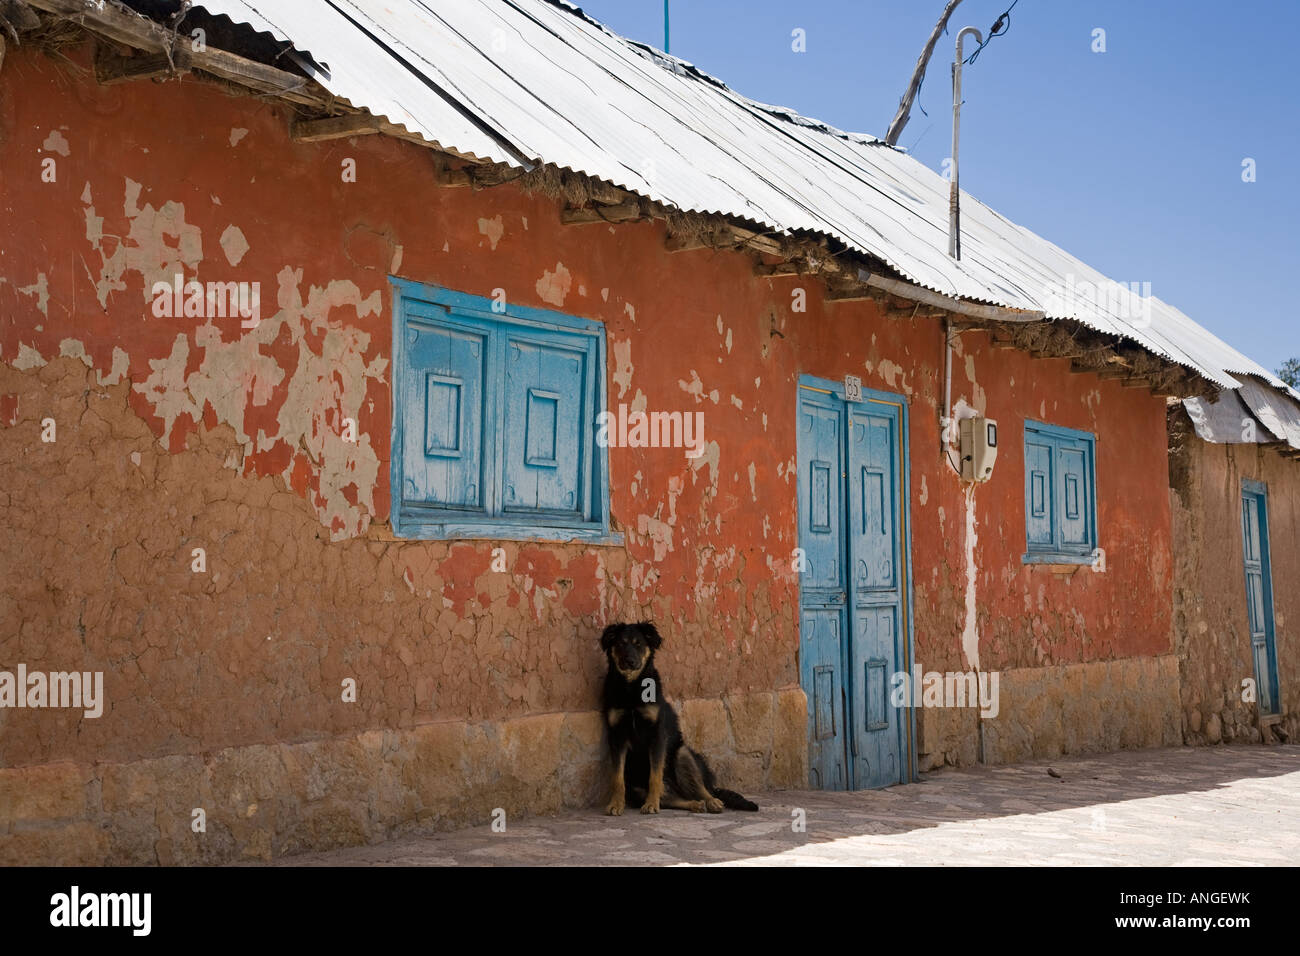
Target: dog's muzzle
[{"x": 629, "y": 666}]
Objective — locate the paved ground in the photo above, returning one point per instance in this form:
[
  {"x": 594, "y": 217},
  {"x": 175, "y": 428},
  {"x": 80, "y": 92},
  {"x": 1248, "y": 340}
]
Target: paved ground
[{"x": 1235, "y": 806}]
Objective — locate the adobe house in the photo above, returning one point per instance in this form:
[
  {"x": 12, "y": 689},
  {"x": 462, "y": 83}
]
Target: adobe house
[
  {"x": 1236, "y": 505},
  {"x": 347, "y": 394}
]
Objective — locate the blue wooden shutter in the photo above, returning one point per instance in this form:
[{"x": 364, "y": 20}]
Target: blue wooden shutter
[
  {"x": 546, "y": 421},
  {"x": 443, "y": 409},
  {"x": 1039, "y": 490},
  {"x": 1075, "y": 508}
]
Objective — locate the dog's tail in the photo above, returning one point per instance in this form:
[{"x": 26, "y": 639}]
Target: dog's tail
[{"x": 734, "y": 801}]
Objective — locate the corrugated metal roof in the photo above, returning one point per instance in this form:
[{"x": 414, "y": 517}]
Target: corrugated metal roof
[
  {"x": 1252, "y": 414},
  {"x": 1225, "y": 421},
  {"x": 1279, "y": 413},
  {"x": 520, "y": 81},
  {"x": 358, "y": 71}
]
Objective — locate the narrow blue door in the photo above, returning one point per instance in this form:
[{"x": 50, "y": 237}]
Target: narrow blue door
[
  {"x": 853, "y": 586},
  {"x": 1259, "y": 593},
  {"x": 823, "y": 599},
  {"x": 877, "y": 742}
]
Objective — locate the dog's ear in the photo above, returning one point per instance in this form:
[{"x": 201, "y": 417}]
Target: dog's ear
[
  {"x": 607, "y": 636},
  {"x": 651, "y": 634}
]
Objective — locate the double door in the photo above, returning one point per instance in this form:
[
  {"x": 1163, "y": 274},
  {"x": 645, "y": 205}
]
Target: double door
[{"x": 854, "y": 586}]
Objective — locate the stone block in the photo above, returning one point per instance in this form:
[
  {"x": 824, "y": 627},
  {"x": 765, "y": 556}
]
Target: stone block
[
  {"x": 704, "y": 722},
  {"x": 47, "y": 792},
  {"x": 583, "y": 765},
  {"x": 751, "y": 722},
  {"x": 789, "y": 765},
  {"x": 72, "y": 844}
]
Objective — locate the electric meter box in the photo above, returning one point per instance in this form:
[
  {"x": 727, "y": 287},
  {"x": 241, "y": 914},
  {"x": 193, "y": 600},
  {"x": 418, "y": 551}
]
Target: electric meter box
[{"x": 979, "y": 448}]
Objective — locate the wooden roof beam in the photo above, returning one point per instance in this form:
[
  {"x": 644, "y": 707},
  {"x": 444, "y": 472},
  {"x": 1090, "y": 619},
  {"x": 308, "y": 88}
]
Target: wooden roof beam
[
  {"x": 335, "y": 127},
  {"x": 112, "y": 68},
  {"x": 135, "y": 30},
  {"x": 586, "y": 215},
  {"x": 916, "y": 293}
]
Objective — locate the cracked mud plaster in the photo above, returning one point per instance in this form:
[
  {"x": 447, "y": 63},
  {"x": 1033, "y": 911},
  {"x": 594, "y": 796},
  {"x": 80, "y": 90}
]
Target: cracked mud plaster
[
  {"x": 255, "y": 649},
  {"x": 328, "y": 384},
  {"x": 143, "y": 222}
]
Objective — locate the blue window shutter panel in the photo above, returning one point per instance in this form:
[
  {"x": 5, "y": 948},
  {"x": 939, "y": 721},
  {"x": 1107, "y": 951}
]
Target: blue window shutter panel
[
  {"x": 1038, "y": 491},
  {"x": 443, "y": 411},
  {"x": 1075, "y": 505},
  {"x": 544, "y": 426}
]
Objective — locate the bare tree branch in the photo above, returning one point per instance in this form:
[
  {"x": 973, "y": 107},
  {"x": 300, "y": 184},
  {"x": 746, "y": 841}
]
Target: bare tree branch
[{"x": 905, "y": 104}]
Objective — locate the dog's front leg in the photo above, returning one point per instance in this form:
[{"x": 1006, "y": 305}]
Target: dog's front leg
[
  {"x": 655, "y": 792},
  {"x": 618, "y": 758}
]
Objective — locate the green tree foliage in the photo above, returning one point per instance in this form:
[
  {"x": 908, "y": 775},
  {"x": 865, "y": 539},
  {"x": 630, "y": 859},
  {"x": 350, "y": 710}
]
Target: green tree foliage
[{"x": 1290, "y": 372}]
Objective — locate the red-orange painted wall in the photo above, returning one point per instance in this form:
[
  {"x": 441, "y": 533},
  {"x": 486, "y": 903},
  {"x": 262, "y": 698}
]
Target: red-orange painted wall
[{"x": 708, "y": 544}]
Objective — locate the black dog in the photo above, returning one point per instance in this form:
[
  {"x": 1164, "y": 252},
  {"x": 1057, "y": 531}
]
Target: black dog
[{"x": 652, "y": 765}]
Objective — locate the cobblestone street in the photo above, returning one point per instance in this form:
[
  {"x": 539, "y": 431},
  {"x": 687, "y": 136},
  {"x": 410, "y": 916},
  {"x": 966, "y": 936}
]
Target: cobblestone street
[{"x": 1224, "y": 806}]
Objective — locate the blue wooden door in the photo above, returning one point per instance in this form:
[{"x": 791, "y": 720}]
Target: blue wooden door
[
  {"x": 853, "y": 613},
  {"x": 1259, "y": 593},
  {"x": 823, "y": 597},
  {"x": 877, "y": 743}
]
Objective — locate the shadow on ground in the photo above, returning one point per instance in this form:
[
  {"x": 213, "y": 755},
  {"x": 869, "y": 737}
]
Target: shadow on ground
[{"x": 1180, "y": 806}]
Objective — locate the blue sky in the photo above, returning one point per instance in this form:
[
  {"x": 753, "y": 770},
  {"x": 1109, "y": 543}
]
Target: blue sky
[{"x": 1130, "y": 159}]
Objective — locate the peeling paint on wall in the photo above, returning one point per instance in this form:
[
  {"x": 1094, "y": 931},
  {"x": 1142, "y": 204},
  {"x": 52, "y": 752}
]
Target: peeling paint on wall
[
  {"x": 660, "y": 534},
  {"x": 894, "y": 376},
  {"x": 145, "y": 250},
  {"x": 72, "y": 348},
  {"x": 695, "y": 387},
  {"x": 56, "y": 142},
  {"x": 970, "y": 640},
  {"x": 494, "y": 229},
  {"x": 234, "y": 245},
  {"x": 28, "y": 358},
  {"x": 553, "y": 287},
  {"x": 40, "y": 291},
  {"x": 622, "y": 376}
]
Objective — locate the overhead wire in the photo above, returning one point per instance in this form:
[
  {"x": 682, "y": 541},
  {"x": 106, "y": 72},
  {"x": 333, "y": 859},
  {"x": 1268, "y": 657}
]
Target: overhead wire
[{"x": 1000, "y": 28}]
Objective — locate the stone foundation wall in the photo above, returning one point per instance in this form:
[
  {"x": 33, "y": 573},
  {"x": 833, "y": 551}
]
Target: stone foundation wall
[
  {"x": 270, "y": 800},
  {"x": 1096, "y": 707}
]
